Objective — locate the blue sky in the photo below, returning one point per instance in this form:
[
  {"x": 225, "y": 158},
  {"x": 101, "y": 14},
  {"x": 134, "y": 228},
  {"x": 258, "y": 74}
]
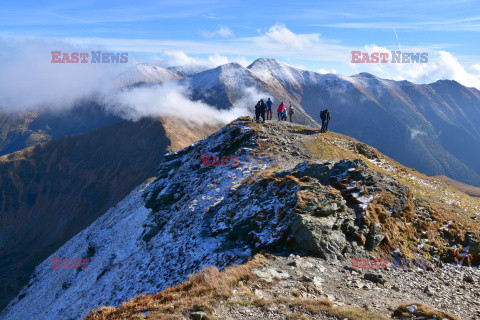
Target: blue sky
[{"x": 315, "y": 35}]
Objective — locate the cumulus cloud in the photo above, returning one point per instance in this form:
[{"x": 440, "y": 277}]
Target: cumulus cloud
[
  {"x": 280, "y": 36},
  {"x": 173, "y": 58},
  {"x": 223, "y": 32}
]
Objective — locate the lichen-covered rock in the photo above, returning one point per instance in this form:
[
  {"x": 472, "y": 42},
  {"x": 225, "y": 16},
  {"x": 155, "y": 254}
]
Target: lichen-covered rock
[
  {"x": 365, "y": 150},
  {"x": 317, "y": 235}
]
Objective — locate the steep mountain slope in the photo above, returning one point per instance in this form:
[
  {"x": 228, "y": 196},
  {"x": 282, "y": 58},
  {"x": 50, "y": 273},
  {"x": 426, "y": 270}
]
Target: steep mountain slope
[
  {"x": 433, "y": 128},
  {"x": 471, "y": 191},
  {"x": 21, "y": 130},
  {"x": 52, "y": 191},
  {"x": 291, "y": 188},
  {"x": 188, "y": 70},
  {"x": 145, "y": 73}
]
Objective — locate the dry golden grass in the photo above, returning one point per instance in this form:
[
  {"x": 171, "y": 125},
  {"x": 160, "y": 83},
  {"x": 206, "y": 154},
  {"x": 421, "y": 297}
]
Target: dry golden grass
[
  {"x": 199, "y": 292},
  {"x": 423, "y": 310},
  {"x": 210, "y": 289},
  {"x": 468, "y": 189}
]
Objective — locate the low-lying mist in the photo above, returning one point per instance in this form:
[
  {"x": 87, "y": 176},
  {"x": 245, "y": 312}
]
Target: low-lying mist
[{"x": 30, "y": 81}]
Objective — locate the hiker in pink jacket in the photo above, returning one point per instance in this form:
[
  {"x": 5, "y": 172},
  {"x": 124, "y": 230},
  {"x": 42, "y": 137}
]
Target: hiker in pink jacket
[{"x": 280, "y": 110}]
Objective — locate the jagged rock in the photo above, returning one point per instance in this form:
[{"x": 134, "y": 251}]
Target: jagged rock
[
  {"x": 365, "y": 150},
  {"x": 469, "y": 279},
  {"x": 316, "y": 235},
  {"x": 375, "y": 278},
  {"x": 268, "y": 274},
  {"x": 375, "y": 237},
  {"x": 199, "y": 316},
  {"x": 429, "y": 291}
]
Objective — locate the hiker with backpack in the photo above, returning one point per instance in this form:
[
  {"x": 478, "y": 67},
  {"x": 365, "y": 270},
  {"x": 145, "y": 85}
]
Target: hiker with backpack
[
  {"x": 263, "y": 109},
  {"x": 291, "y": 111},
  {"x": 269, "y": 109},
  {"x": 325, "y": 117},
  {"x": 284, "y": 114},
  {"x": 257, "y": 111},
  {"x": 280, "y": 109}
]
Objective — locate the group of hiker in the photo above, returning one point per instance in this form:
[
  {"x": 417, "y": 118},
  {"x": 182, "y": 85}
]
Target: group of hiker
[{"x": 264, "y": 110}]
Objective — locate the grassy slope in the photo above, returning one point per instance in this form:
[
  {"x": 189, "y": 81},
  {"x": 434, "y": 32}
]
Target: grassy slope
[{"x": 470, "y": 190}]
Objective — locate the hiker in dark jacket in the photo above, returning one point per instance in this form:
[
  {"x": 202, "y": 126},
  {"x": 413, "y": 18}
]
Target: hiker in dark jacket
[
  {"x": 269, "y": 109},
  {"x": 325, "y": 117},
  {"x": 291, "y": 111},
  {"x": 257, "y": 111},
  {"x": 263, "y": 109},
  {"x": 327, "y": 120}
]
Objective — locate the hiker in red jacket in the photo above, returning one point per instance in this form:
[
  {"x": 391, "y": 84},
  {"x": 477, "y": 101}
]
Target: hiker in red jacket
[{"x": 280, "y": 110}]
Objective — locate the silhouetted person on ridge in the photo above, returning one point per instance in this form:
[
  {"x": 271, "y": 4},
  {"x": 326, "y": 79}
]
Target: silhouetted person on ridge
[
  {"x": 257, "y": 111},
  {"x": 325, "y": 117},
  {"x": 291, "y": 111},
  {"x": 263, "y": 109},
  {"x": 269, "y": 109}
]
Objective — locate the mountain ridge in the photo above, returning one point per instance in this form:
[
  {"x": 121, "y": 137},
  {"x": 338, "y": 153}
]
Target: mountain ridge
[{"x": 294, "y": 188}]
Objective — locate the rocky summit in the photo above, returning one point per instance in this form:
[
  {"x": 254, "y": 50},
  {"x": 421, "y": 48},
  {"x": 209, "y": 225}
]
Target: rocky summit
[{"x": 299, "y": 223}]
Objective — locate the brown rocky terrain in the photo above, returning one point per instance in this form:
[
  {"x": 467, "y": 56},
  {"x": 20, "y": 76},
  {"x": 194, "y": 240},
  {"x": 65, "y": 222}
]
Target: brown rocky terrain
[{"x": 303, "y": 287}]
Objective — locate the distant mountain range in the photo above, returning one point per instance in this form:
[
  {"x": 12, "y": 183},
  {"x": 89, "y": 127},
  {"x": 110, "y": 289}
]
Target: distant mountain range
[
  {"x": 20, "y": 130},
  {"x": 434, "y": 128}
]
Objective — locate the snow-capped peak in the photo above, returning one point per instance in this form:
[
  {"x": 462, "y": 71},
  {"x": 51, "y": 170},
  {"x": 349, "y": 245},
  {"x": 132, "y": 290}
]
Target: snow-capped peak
[{"x": 146, "y": 73}]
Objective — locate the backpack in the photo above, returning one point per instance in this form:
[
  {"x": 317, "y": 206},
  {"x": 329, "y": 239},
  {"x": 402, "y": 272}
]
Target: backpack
[{"x": 323, "y": 114}]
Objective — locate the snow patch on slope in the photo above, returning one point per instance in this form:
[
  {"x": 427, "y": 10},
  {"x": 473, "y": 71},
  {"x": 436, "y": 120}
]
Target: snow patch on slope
[{"x": 183, "y": 237}]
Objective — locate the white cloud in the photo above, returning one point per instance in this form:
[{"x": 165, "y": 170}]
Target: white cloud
[
  {"x": 324, "y": 71},
  {"x": 280, "y": 35},
  {"x": 172, "y": 58},
  {"x": 167, "y": 99},
  {"x": 28, "y": 78},
  {"x": 476, "y": 67},
  {"x": 223, "y": 32}
]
